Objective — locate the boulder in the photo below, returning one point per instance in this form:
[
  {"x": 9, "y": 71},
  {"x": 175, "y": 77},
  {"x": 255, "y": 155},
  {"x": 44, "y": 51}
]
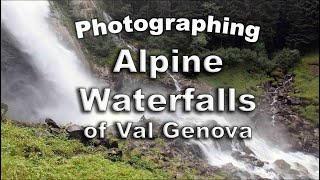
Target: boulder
[
  {"x": 301, "y": 168},
  {"x": 293, "y": 127},
  {"x": 51, "y": 123},
  {"x": 75, "y": 131},
  {"x": 229, "y": 167},
  {"x": 4, "y": 109},
  {"x": 293, "y": 172},
  {"x": 248, "y": 159},
  {"x": 281, "y": 94},
  {"x": 245, "y": 148},
  {"x": 293, "y": 101},
  {"x": 55, "y": 131},
  {"x": 167, "y": 153},
  {"x": 241, "y": 175},
  {"x": 115, "y": 152},
  {"x": 109, "y": 143},
  {"x": 282, "y": 164}
]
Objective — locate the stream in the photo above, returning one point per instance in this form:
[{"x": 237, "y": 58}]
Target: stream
[{"x": 29, "y": 24}]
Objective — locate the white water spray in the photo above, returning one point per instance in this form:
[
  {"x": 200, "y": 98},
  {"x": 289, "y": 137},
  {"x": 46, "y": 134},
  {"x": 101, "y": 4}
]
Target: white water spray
[
  {"x": 176, "y": 83},
  {"x": 28, "y": 21},
  {"x": 262, "y": 149}
]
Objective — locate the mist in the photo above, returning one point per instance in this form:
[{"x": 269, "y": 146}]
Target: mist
[{"x": 40, "y": 78}]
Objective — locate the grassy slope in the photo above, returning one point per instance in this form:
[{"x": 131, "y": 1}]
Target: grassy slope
[
  {"x": 238, "y": 78},
  {"x": 307, "y": 83},
  {"x": 31, "y": 153}
]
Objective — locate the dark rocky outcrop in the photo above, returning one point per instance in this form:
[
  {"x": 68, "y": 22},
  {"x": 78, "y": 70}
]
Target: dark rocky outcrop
[
  {"x": 51, "y": 123},
  {"x": 278, "y": 105},
  {"x": 75, "y": 131}
]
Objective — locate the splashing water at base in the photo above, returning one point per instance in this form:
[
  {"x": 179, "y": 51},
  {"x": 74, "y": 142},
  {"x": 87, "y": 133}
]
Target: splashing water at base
[
  {"x": 28, "y": 23},
  {"x": 262, "y": 149}
]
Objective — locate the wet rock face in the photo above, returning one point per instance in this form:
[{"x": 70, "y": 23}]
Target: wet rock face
[
  {"x": 297, "y": 171},
  {"x": 239, "y": 174},
  {"x": 301, "y": 168},
  {"x": 249, "y": 159},
  {"x": 278, "y": 105}
]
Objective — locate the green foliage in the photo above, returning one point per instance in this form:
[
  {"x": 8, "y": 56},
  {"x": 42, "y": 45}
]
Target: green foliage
[
  {"x": 230, "y": 56},
  {"x": 210, "y": 8},
  {"x": 157, "y": 42},
  {"x": 286, "y": 58},
  {"x": 255, "y": 59},
  {"x": 198, "y": 44},
  {"x": 100, "y": 45},
  {"x": 306, "y": 86},
  {"x": 282, "y": 25},
  {"x": 114, "y": 158},
  {"x": 31, "y": 153},
  {"x": 306, "y": 82},
  {"x": 238, "y": 78},
  {"x": 311, "y": 112},
  {"x": 138, "y": 163},
  {"x": 303, "y": 20},
  {"x": 292, "y": 23}
]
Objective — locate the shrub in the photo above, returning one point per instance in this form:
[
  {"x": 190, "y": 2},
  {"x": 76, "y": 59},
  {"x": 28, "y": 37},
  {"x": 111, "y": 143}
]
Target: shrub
[
  {"x": 230, "y": 56},
  {"x": 286, "y": 58},
  {"x": 100, "y": 46},
  {"x": 198, "y": 44}
]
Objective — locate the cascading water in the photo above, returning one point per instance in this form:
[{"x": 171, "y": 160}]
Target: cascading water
[
  {"x": 279, "y": 88},
  {"x": 28, "y": 22},
  {"x": 108, "y": 18},
  {"x": 275, "y": 97},
  {"x": 220, "y": 154},
  {"x": 176, "y": 83}
]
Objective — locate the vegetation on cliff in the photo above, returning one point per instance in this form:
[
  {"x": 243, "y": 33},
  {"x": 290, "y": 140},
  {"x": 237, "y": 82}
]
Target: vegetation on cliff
[
  {"x": 306, "y": 86},
  {"x": 285, "y": 38}
]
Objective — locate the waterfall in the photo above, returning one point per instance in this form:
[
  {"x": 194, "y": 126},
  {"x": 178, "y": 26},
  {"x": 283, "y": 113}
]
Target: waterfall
[
  {"x": 219, "y": 153},
  {"x": 108, "y": 18},
  {"x": 176, "y": 83},
  {"x": 28, "y": 22},
  {"x": 279, "y": 88},
  {"x": 58, "y": 66},
  {"x": 275, "y": 97}
]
